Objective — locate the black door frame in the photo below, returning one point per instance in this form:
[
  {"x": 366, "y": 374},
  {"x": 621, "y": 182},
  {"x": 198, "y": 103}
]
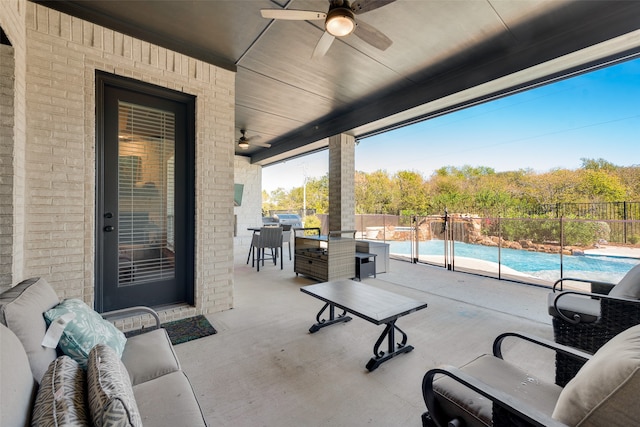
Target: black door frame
[{"x": 104, "y": 80}]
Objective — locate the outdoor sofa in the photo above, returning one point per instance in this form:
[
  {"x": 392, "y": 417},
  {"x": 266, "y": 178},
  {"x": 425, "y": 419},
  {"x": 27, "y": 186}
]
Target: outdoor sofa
[{"x": 145, "y": 386}]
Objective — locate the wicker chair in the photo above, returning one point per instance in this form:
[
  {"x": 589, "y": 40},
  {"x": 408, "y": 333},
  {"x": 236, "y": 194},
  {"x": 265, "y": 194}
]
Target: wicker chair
[
  {"x": 490, "y": 391},
  {"x": 587, "y": 320},
  {"x": 268, "y": 238}
]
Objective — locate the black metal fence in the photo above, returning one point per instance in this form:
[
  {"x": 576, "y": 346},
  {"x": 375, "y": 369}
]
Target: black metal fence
[
  {"x": 597, "y": 210},
  {"x": 624, "y": 215},
  {"x": 622, "y": 218},
  {"x": 606, "y": 211}
]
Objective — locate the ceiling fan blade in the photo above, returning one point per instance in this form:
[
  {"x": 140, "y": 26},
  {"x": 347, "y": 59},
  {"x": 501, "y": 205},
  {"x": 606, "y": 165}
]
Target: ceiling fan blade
[
  {"x": 362, "y": 6},
  {"x": 292, "y": 15},
  {"x": 323, "y": 45},
  {"x": 372, "y": 36},
  {"x": 261, "y": 144}
]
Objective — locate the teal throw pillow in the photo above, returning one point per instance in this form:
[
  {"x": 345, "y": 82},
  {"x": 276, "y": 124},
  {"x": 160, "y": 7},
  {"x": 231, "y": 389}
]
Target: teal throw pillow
[{"x": 86, "y": 330}]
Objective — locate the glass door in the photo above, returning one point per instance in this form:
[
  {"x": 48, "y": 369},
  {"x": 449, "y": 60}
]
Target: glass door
[{"x": 145, "y": 208}]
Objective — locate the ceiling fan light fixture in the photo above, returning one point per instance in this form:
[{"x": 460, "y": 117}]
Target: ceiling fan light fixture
[
  {"x": 243, "y": 145},
  {"x": 340, "y": 22}
]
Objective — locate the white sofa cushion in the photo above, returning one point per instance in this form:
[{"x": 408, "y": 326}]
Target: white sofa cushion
[
  {"x": 144, "y": 365},
  {"x": 21, "y": 309},
  {"x": 175, "y": 388},
  {"x": 606, "y": 388},
  {"x": 629, "y": 286},
  {"x": 18, "y": 386}
]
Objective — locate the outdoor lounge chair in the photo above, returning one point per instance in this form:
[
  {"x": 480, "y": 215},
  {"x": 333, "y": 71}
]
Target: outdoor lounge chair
[
  {"x": 587, "y": 320},
  {"x": 490, "y": 391}
]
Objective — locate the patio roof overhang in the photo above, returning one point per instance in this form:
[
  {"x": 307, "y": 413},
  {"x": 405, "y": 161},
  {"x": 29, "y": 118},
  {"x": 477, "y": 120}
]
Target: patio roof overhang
[{"x": 445, "y": 56}]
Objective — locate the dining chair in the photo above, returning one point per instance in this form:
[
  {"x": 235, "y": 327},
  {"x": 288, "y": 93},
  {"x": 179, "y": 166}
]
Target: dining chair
[{"x": 268, "y": 238}]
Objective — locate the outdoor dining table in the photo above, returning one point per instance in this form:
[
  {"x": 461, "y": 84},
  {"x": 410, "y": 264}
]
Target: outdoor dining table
[{"x": 372, "y": 304}]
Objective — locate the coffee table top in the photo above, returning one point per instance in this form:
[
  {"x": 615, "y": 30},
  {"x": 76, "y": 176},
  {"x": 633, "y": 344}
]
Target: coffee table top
[{"x": 368, "y": 302}]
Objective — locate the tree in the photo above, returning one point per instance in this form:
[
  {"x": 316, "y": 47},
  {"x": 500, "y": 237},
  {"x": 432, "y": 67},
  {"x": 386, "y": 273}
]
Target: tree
[
  {"x": 557, "y": 186},
  {"x": 601, "y": 186},
  {"x": 412, "y": 196},
  {"x": 375, "y": 193},
  {"x": 512, "y": 193},
  {"x": 318, "y": 194},
  {"x": 596, "y": 165}
]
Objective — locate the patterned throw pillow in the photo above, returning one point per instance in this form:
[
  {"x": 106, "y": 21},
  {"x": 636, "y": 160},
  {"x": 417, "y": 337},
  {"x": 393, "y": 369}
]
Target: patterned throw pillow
[
  {"x": 86, "y": 330},
  {"x": 61, "y": 397},
  {"x": 111, "y": 400}
]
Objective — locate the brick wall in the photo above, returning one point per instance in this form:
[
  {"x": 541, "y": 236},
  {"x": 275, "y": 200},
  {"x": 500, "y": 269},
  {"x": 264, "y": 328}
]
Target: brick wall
[
  {"x": 12, "y": 21},
  {"x": 61, "y": 55},
  {"x": 7, "y": 122},
  {"x": 342, "y": 206},
  {"x": 249, "y": 213}
]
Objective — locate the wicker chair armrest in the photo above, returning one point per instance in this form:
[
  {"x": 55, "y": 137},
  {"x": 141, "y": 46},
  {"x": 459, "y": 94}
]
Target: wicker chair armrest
[
  {"x": 597, "y": 286},
  {"x": 552, "y": 345},
  {"x": 131, "y": 311},
  {"x": 520, "y": 409},
  {"x": 608, "y": 298}
]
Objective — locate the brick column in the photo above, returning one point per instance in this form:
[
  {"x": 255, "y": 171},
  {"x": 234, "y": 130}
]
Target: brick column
[
  {"x": 342, "y": 204},
  {"x": 11, "y": 174}
]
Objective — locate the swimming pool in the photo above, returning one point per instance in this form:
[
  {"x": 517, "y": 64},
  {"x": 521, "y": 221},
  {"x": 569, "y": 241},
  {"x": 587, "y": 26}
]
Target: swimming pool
[{"x": 537, "y": 264}]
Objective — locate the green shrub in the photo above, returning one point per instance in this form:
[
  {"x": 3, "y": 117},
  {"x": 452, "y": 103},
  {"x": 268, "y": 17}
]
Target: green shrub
[{"x": 547, "y": 230}]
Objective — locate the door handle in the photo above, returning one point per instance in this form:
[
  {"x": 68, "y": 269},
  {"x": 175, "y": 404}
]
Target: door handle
[{"x": 109, "y": 228}]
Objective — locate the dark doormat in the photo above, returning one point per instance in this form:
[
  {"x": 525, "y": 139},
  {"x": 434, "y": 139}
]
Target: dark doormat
[
  {"x": 189, "y": 329},
  {"x": 184, "y": 330}
]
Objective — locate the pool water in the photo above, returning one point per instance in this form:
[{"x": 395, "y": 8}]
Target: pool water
[{"x": 538, "y": 264}]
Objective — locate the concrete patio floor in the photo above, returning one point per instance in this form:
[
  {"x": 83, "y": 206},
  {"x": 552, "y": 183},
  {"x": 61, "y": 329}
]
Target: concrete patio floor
[{"x": 263, "y": 367}]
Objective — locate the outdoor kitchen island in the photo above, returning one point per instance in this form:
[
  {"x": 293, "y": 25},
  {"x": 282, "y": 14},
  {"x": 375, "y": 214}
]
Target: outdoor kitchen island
[
  {"x": 324, "y": 257},
  {"x": 369, "y": 303}
]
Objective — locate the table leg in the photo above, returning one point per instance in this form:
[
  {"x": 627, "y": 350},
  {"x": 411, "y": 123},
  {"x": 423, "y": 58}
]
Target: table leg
[
  {"x": 331, "y": 320},
  {"x": 374, "y": 267},
  {"x": 393, "y": 348}
]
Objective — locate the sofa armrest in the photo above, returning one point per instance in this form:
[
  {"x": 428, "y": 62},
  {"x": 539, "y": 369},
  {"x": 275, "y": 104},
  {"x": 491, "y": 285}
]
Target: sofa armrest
[
  {"x": 131, "y": 311},
  {"x": 520, "y": 409}
]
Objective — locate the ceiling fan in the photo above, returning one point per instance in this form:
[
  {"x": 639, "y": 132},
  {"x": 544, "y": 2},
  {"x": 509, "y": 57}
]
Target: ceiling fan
[
  {"x": 339, "y": 21},
  {"x": 244, "y": 142}
]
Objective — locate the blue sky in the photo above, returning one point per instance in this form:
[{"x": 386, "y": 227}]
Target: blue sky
[{"x": 595, "y": 115}]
